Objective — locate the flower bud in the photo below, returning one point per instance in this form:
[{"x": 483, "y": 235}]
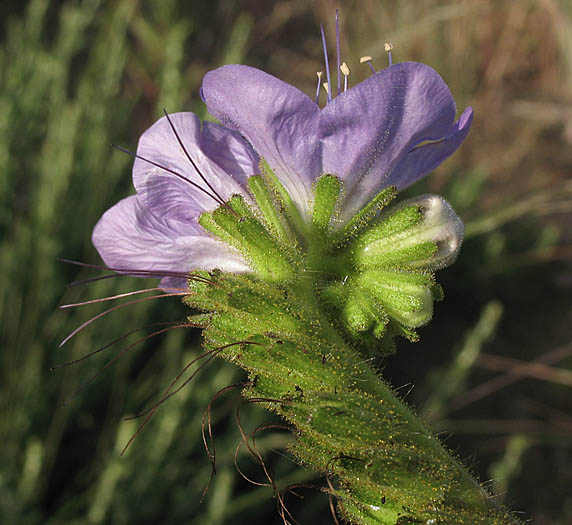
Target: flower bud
[{"x": 422, "y": 233}]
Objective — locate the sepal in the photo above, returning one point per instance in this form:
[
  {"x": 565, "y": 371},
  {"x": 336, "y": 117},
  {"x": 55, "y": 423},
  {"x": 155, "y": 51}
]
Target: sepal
[{"x": 236, "y": 224}]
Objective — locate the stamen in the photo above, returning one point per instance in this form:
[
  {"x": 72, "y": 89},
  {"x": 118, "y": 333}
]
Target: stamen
[
  {"x": 327, "y": 90},
  {"x": 319, "y": 73},
  {"x": 367, "y": 60},
  {"x": 327, "y": 63},
  {"x": 131, "y": 272},
  {"x": 119, "y": 306},
  {"x": 190, "y": 158},
  {"x": 137, "y": 156},
  {"x": 110, "y": 298},
  {"x": 120, "y": 354},
  {"x": 115, "y": 341},
  {"x": 346, "y": 72},
  {"x": 338, "y": 47},
  {"x": 388, "y": 47}
]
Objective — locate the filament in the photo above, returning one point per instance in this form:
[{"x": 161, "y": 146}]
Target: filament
[
  {"x": 120, "y": 354},
  {"x": 108, "y": 345},
  {"x": 205, "y": 180},
  {"x": 388, "y": 46},
  {"x": 367, "y": 60},
  {"x": 117, "y": 307},
  {"x": 326, "y": 61},
  {"x": 338, "y": 47},
  {"x": 173, "y": 172},
  {"x": 346, "y": 72}
]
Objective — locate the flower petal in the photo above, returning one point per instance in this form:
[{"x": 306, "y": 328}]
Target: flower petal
[
  {"x": 230, "y": 151},
  {"x": 368, "y": 129},
  {"x": 279, "y": 120},
  {"x": 423, "y": 159},
  {"x": 169, "y": 195},
  {"x": 173, "y": 284},
  {"x": 131, "y": 238}
]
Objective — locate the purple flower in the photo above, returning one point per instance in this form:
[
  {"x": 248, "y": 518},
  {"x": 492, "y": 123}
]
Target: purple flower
[
  {"x": 391, "y": 129},
  {"x": 371, "y": 136}
]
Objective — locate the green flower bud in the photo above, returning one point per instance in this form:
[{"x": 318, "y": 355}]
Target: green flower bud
[{"x": 422, "y": 233}]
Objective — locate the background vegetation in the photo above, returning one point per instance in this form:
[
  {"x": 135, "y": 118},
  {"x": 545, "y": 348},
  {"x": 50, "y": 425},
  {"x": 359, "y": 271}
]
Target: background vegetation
[{"x": 493, "y": 368}]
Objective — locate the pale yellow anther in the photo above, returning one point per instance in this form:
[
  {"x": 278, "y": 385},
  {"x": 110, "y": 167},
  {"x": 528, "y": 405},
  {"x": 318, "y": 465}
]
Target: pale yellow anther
[
  {"x": 365, "y": 60},
  {"x": 388, "y": 46},
  {"x": 345, "y": 69},
  {"x": 326, "y": 87},
  {"x": 319, "y": 73}
]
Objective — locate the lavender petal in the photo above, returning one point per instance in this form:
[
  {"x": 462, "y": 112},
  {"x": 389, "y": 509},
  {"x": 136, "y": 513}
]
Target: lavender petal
[
  {"x": 279, "y": 120},
  {"x": 367, "y": 130},
  {"x": 425, "y": 158},
  {"x": 130, "y": 237},
  {"x": 186, "y": 196}
]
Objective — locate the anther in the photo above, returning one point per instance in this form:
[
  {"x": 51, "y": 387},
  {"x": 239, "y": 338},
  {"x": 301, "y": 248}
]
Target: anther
[
  {"x": 388, "y": 47},
  {"x": 367, "y": 60},
  {"x": 327, "y": 89},
  {"x": 319, "y": 73},
  {"x": 346, "y": 72}
]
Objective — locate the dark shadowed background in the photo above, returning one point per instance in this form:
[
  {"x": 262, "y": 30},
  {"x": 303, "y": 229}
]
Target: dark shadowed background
[{"x": 493, "y": 371}]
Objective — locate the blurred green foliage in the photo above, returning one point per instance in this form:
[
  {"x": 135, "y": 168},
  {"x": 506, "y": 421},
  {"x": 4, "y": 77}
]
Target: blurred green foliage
[{"x": 78, "y": 75}]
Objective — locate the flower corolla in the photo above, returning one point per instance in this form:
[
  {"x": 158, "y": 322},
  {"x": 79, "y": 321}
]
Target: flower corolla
[{"x": 389, "y": 130}]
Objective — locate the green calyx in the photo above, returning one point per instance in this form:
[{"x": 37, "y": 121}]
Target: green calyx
[
  {"x": 374, "y": 275},
  {"x": 236, "y": 224}
]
